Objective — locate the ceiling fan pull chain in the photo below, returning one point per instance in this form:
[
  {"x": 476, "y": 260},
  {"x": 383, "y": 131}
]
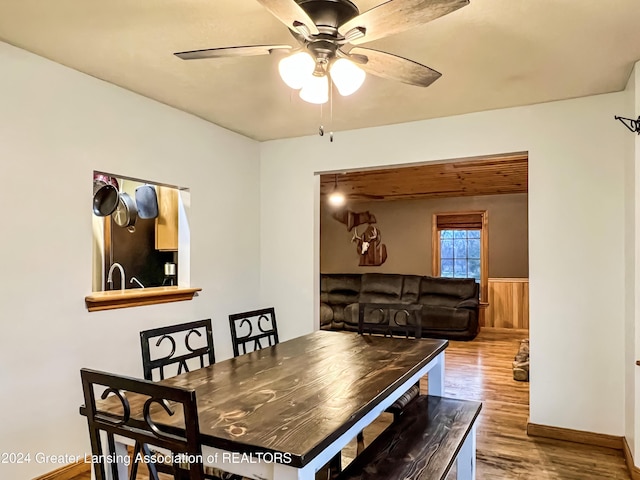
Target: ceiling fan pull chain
[
  {"x": 331, "y": 112},
  {"x": 321, "y": 128}
]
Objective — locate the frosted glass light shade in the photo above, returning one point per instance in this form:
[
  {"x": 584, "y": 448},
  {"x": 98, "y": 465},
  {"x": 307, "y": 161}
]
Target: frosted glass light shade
[
  {"x": 296, "y": 69},
  {"x": 347, "y": 76},
  {"x": 316, "y": 90},
  {"x": 337, "y": 199}
]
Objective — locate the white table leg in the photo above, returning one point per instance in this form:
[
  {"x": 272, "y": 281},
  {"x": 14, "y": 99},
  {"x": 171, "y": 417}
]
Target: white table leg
[
  {"x": 436, "y": 377},
  {"x": 215, "y": 457},
  {"x": 466, "y": 461},
  {"x": 285, "y": 472}
]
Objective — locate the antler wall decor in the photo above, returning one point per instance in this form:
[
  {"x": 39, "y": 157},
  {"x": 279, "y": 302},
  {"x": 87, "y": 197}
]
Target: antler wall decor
[
  {"x": 371, "y": 250},
  {"x": 353, "y": 219}
]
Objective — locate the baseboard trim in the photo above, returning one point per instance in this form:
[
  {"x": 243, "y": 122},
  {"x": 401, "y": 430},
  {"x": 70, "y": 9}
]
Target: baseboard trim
[
  {"x": 576, "y": 436},
  {"x": 67, "y": 472},
  {"x": 522, "y": 331},
  {"x": 628, "y": 457}
]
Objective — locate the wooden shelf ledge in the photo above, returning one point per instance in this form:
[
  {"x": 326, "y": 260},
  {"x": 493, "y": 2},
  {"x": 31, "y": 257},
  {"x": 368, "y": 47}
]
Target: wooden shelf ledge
[{"x": 137, "y": 297}]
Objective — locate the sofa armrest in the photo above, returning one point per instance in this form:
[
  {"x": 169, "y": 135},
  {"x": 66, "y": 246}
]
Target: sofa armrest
[
  {"x": 326, "y": 314},
  {"x": 469, "y": 303}
]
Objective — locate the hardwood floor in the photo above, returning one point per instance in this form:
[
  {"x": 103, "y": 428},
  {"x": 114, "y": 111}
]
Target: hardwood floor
[{"x": 481, "y": 370}]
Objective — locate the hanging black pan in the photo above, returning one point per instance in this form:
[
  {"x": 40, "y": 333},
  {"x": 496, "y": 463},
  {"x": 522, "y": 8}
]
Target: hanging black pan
[{"x": 105, "y": 198}]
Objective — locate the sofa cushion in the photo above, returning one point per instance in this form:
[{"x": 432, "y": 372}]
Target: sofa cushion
[
  {"x": 341, "y": 289},
  {"x": 381, "y": 288},
  {"x": 410, "y": 289},
  {"x": 338, "y": 313},
  {"x": 439, "y": 300},
  {"x": 454, "y": 287},
  {"x": 351, "y": 313},
  {"x": 445, "y": 318}
]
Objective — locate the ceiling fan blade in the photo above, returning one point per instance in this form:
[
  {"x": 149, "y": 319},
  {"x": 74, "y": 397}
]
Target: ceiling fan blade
[
  {"x": 398, "y": 15},
  {"x": 289, "y": 13},
  {"x": 244, "y": 51},
  {"x": 393, "y": 67}
]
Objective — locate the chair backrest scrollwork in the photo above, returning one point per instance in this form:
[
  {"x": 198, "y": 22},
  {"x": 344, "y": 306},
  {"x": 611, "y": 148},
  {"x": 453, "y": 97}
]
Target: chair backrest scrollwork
[
  {"x": 183, "y": 347},
  {"x": 138, "y": 409},
  {"x": 390, "y": 320},
  {"x": 253, "y": 330}
]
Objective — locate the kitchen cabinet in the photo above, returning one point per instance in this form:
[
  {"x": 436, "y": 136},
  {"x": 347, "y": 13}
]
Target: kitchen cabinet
[{"x": 167, "y": 221}]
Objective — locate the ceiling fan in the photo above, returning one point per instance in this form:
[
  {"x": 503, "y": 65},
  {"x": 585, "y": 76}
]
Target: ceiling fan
[{"x": 328, "y": 33}]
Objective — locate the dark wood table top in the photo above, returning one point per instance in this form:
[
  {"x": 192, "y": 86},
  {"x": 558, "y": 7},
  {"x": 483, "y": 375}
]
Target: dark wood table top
[{"x": 300, "y": 395}]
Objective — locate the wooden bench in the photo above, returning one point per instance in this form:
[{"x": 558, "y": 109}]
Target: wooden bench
[{"x": 422, "y": 443}]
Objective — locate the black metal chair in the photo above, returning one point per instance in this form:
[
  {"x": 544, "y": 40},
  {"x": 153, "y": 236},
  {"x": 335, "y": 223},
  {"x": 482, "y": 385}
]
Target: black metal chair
[
  {"x": 391, "y": 320},
  {"x": 130, "y": 410},
  {"x": 180, "y": 356},
  {"x": 177, "y": 341},
  {"x": 253, "y": 330}
]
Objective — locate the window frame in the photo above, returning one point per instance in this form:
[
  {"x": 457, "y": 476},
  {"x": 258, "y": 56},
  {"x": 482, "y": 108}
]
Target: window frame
[{"x": 467, "y": 220}]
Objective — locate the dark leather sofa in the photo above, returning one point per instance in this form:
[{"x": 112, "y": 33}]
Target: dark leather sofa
[{"x": 449, "y": 305}]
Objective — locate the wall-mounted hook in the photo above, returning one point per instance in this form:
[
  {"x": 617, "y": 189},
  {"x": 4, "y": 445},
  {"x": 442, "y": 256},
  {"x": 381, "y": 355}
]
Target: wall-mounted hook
[{"x": 632, "y": 125}]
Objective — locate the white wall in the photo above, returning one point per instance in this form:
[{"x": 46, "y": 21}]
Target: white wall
[
  {"x": 631, "y": 270},
  {"x": 576, "y": 242},
  {"x": 56, "y": 127}
]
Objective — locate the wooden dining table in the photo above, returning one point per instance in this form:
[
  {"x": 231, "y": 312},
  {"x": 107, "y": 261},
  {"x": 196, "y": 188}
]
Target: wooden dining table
[{"x": 284, "y": 411}]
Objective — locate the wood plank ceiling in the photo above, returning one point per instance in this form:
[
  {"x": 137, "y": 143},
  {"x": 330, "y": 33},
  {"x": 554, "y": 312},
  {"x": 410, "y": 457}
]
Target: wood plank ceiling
[{"x": 479, "y": 176}]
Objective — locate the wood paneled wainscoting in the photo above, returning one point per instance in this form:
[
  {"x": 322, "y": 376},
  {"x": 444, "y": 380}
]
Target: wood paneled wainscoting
[{"x": 508, "y": 303}]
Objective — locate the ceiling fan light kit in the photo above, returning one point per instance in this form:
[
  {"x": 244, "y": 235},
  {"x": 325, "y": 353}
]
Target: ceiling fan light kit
[
  {"x": 296, "y": 69},
  {"x": 301, "y": 71},
  {"x": 346, "y": 76},
  {"x": 315, "y": 89},
  {"x": 328, "y": 33}
]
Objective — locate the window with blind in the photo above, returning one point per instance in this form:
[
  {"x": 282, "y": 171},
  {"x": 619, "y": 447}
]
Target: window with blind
[
  {"x": 460, "y": 254},
  {"x": 460, "y": 247}
]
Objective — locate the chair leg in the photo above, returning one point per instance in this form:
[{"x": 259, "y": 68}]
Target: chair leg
[
  {"x": 335, "y": 466},
  {"x": 360, "y": 443},
  {"x": 134, "y": 463},
  {"x": 153, "y": 470}
]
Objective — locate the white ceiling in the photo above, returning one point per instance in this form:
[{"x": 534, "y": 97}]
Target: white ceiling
[{"x": 491, "y": 53}]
